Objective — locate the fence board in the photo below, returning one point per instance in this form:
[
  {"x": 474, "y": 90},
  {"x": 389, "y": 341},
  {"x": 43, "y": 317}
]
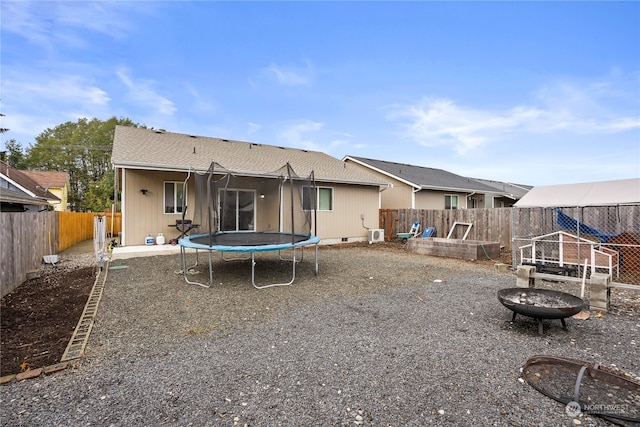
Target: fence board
[
  {"x": 490, "y": 225},
  {"x": 24, "y": 240}
]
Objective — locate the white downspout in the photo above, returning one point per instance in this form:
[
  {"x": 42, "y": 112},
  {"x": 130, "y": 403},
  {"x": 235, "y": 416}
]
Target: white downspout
[
  {"x": 413, "y": 196},
  {"x": 466, "y": 199}
]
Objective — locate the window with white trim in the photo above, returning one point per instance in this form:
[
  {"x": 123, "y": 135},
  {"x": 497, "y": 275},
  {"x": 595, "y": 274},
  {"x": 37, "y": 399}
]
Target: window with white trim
[
  {"x": 450, "y": 201},
  {"x": 323, "y": 198},
  {"x": 174, "y": 195}
]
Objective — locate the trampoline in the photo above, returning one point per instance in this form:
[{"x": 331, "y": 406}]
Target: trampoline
[{"x": 234, "y": 223}]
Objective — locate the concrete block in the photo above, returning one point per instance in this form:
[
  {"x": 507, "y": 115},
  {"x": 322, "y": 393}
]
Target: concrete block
[
  {"x": 454, "y": 248},
  {"x": 525, "y": 276},
  {"x": 500, "y": 267},
  {"x": 600, "y": 292},
  {"x": 33, "y": 274}
]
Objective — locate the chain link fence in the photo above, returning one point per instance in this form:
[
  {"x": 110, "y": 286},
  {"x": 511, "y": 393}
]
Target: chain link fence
[{"x": 570, "y": 240}]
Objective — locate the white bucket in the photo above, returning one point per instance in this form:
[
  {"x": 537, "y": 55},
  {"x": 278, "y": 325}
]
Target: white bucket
[{"x": 50, "y": 259}]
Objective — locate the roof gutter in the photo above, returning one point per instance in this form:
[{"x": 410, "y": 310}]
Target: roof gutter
[{"x": 169, "y": 168}]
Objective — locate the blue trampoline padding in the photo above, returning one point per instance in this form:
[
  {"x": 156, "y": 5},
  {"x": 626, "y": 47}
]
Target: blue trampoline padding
[{"x": 247, "y": 241}]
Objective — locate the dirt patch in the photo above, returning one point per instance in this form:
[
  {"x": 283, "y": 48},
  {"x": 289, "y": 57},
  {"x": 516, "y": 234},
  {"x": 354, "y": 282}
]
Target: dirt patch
[{"x": 39, "y": 317}]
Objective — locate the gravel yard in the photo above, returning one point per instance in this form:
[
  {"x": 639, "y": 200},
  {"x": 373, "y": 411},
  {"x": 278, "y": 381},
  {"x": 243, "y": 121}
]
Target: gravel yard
[{"x": 380, "y": 337}]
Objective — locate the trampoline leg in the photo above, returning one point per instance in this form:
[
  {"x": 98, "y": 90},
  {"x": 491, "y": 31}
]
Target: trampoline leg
[
  {"x": 293, "y": 258},
  {"x": 183, "y": 262},
  {"x": 253, "y": 273},
  {"x": 564, "y": 324},
  {"x": 316, "y": 259}
]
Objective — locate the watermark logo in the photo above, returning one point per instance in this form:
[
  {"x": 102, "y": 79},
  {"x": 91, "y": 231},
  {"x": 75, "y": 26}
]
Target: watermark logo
[{"x": 572, "y": 409}]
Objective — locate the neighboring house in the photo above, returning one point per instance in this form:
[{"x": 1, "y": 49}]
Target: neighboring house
[
  {"x": 151, "y": 167},
  {"x": 17, "y": 201},
  {"x": 418, "y": 187},
  {"x": 506, "y": 193},
  {"x": 17, "y": 181},
  {"x": 56, "y": 182}
]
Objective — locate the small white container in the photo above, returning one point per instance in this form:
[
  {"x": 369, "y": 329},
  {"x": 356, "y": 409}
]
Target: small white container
[
  {"x": 149, "y": 240},
  {"x": 160, "y": 239}
]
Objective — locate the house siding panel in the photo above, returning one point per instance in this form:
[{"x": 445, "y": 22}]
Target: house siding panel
[
  {"x": 435, "y": 199},
  {"x": 350, "y": 202},
  {"x": 397, "y": 197},
  {"x": 144, "y": 214}
]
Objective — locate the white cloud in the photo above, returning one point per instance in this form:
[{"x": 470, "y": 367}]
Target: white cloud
[
  {"x": 62, "y": 89},
  {"x": 597, "y": 107},
  {"x": 198, "y": 104},
  {"x": 436, "y": 122},
  {"x": 297, "y": 134},
  {"x": 290, "y": 75},
  {"x": 53, "y": 25},
  {"x": 141, "y": 92},
  {"x": 253, "y": 127}
]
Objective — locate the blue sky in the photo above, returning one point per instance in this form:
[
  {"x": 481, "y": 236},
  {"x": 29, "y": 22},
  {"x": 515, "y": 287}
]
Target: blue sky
[{"x": 528, "y": 92}]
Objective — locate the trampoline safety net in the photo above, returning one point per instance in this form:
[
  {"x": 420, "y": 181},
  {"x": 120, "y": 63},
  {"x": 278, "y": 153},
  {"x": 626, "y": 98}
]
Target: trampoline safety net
[{"x": 278, "y": 201}]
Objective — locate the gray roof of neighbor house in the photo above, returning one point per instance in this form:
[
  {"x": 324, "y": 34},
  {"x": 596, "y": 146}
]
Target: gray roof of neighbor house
[
  {"x": 138, "y": 148},
  {"x": 600, "y": 193},
  {"x": 425, "y": 178},
  {"x": 516, "y": 191},
  {"x": 17, "y": 197},
  {"x": 25, "y": 183}
]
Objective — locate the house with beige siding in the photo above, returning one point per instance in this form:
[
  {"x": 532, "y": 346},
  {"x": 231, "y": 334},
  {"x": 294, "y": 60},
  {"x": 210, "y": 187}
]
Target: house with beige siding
[
  {"x": 419, "y": 187},
  {"x": 151, "y": 168}
]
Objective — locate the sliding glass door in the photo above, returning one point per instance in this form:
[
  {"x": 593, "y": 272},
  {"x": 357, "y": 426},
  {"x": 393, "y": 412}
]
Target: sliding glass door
[{"x": 237, "y": 210}]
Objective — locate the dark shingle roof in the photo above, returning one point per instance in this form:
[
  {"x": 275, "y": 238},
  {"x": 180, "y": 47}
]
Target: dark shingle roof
[
  {"x": 514, "y": 190},
  {"x": 25, "y": 182},
  {"x": 16, "y": 197},
  {"x": 424, "y": 177}
]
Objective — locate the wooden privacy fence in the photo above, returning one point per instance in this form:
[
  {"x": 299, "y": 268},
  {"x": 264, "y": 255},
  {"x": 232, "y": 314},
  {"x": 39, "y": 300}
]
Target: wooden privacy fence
[
  {"x": 24, "y": 239},
  {"x": 489, "y": 225},
  {"x": 78, "y": 226}
]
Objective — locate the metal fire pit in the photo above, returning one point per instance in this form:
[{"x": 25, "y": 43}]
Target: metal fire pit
[{"x": 540, "y": 304}]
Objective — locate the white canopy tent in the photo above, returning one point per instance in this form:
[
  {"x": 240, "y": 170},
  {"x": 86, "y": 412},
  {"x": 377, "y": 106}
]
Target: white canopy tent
[{"x": 601, "y": 193}]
